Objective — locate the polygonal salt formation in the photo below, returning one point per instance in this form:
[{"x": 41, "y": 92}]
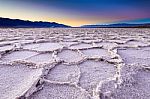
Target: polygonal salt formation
[
  {"x": 43, "y": 46},
  {"x": 107, "y": 45},
  {"x": 96, "y": 53},
  {"x": 66, "y": 81},
  {"x": 70, "y": 56},
  {"x": 16, "y": 80},
  {"x": 93, "y": 72},
  {"x": 48, "y": 47},
  {"x": 60, "y": 91},
  {"x": 18, "y": 55},
  {"x": 31, "y": 46},
  {"x": 41, "y": 59},
  {"x": 90, "y": 41},
  {"x": 64, "y": 73},
  {"x": 135, "y": 56}
]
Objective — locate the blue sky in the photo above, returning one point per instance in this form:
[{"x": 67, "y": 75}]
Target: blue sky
[{"x": 77, "y": 12}]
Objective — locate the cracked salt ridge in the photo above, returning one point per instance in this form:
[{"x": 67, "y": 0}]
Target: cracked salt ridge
[
  {"x": 8, "y": 42},
  {"x": 70, "y": 56},
  {"x": 16, "y": 80},
  {"x": 68, "y": 44},
  {"x": 41, "y": 47},
  {"x": 119, "y": 41},
  {"x": 139, "y": 56},
  {"x": 60, "y": 91},
  {"x": 105, "y": 87},
  {"x": 6, "y": 48},
  {"x": 64, "y": 73},
  {"x": 81, "y": 46},
  {"x": 92, "y": 72},
  {"x": 90, "y": 41}
]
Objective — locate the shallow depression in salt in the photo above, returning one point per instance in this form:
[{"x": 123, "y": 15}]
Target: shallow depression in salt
[
  {"x": 70, "y": 56},
  {"x": 81, "y": 46},
  {"x": 136, "y": 56},
  {"x": 6, "y": 48},
  {"x": 64, "y": 73},
  {"x": 96, "y": 53},
  {"x": 41, "y": 58},
  {"x": 16, "y": 80},
  {"x": 60, "y": 91}
]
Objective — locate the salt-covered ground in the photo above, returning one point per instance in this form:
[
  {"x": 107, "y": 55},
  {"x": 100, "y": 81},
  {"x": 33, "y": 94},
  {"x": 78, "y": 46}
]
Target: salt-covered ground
[{"x": 65, "y": 63}]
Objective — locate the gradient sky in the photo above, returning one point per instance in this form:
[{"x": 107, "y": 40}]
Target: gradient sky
[{"x": 77, "y": 12}]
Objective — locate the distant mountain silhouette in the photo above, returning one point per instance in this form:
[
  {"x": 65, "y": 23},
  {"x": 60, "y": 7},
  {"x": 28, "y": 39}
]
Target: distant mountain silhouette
[
  {"x": 119, "y": 25},
  {"x": 16, "y": 23}
]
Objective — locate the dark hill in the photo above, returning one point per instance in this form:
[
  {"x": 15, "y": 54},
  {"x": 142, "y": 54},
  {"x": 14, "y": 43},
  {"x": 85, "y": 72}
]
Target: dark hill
[{"x": 17, "y": 23}]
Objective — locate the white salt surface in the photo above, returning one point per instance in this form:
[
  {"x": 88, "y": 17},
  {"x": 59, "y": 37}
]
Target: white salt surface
[{"x": 74, "y": 63}]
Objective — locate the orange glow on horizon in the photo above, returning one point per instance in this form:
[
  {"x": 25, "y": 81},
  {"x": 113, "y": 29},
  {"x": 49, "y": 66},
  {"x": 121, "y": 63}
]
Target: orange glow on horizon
[{"x": 76, "y": 22}]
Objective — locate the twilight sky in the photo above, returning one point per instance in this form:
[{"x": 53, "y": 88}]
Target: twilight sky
[{"x": 77, "y": 12}]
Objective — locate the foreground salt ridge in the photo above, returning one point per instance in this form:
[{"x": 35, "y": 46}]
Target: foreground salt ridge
[{"x": 90, "y": 63}]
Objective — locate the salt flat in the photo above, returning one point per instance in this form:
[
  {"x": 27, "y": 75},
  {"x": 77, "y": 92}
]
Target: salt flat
[{"x": 74, "y": 63}]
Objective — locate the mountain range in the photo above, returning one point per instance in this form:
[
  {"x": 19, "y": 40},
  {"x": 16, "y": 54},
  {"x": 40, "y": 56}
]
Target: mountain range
[
  {"x": 119, "y": 25},
  {"x": 17, "y": 23}
]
